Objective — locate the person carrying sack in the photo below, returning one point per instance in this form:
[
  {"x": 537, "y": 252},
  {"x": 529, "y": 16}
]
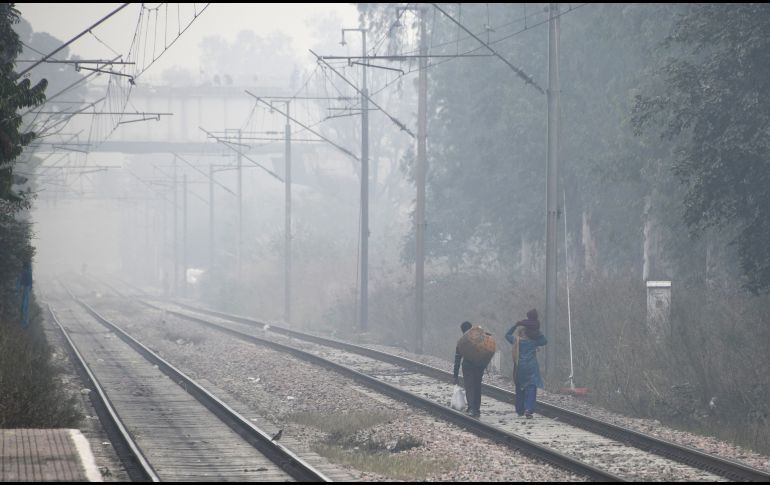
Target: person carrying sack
[
  {"x": 474, "y": 351},
  {"x": 525, "y": 337}
]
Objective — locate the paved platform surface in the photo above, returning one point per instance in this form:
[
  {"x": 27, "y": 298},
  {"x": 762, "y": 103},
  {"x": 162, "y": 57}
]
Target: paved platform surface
[{"x": 46, "y": 455}]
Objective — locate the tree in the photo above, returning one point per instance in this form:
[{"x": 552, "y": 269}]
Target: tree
[
  {"x": 14, "y": 95},
  {"x": 714, "y": 107},
  {"x": 486, "y": 177},
  {"x": 250, "y": 60},
  {"x": 15, "y": 247}
]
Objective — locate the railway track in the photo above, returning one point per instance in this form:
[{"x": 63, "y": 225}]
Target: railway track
[
  {"x": 131, "y": 456},
  {"x": 675, "y": 462},
  {"x": 527, "y": 447},
  {"x": 170, "y": 427},
  {"x": 657, "y": 459}
]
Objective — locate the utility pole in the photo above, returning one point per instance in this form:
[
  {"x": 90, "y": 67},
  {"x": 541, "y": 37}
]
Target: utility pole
[
  {"x": 287, "y": 185},
  {"x": 184, "y": 235},
  {"x": 240, "y": 210},
  {"x": 287, "y": 221},
  {"x": 147, "y": 267},
  {"x": 211, "y": 220},
  {"x": 552, "y": 202},
  {"x": 422, "y": 122},
  {"x": 176, "y": 234},
  {"x": 364, "y": 192},
  {"x": 164, "y": 246},
  {"x": 363, "y": 319}
]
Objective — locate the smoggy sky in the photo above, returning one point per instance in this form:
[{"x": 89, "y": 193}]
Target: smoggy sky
[{"x": 304, "y": 23}]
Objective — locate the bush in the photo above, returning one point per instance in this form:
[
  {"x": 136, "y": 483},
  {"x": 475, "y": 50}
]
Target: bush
[
  {"x": 32, "y": 393},
  {"x": 708, "y": 374}
]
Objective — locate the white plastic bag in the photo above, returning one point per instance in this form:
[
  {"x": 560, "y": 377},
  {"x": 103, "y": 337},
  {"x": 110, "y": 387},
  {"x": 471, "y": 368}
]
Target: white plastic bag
[{"x": 458, "y": 399}]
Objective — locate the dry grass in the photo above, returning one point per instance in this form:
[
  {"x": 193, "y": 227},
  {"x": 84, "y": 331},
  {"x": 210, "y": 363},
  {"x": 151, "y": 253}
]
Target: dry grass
[
  {"x": 707, "y": 375},
  {"x": 31, "y": 393},
  {"x": 391, "y": 465},
  {"x": 716, "y": 347},
  {"x": 344, "y": 443},
  {"x": 341, "y": 423}
]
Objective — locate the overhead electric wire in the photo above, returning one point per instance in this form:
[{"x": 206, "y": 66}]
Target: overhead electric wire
[
  {"x": 117, "y": 94},
  {"x": 392, "y": 118},
  {"x": 117, "y": 101},
  {"x": 229, "y": 145},
  {"x": 104, "y": 43},
  {"x": 342, "y": 149},
  {"x": 71, "y": 41},
  {"x": 496, "y": 41},
  {"x": 399, "y": 13},
  {"x": 515, "y": 69},
  {"x": 203, "y": 173}
]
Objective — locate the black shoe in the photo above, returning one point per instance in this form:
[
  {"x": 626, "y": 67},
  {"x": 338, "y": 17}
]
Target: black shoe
[{"x": 528, "y": 415}]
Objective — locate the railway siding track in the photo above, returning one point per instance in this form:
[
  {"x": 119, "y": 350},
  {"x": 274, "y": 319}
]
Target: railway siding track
[
  {"x": 183, "y": 438},
  {"x": 677, "y": 462}
]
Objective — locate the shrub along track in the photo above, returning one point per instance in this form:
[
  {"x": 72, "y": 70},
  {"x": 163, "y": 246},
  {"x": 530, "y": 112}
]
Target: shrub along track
[{"x": 171, "y": 431}]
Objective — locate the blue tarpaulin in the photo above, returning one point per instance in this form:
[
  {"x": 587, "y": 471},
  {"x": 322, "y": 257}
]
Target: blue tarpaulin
[{"x": 25, "y": 284}]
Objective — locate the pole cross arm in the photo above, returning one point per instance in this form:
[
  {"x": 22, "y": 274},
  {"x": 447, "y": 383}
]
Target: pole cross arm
[
  {"x": 229, "y": 145},
  {"x": 515, "y": 69},
  {"x": 78, "y": 68},
  {"x": 398, "y": 123},
  {"x": 338, "y": 147},
  {"x": 351, "y": 62},
  {"x": 48, "y": 56},
  {"x": 203, "y": 173},
  {"x": 155, "y": 118}
]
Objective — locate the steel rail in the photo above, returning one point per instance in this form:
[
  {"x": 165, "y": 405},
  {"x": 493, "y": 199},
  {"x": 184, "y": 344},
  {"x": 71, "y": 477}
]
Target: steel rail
[
  {"x": 284, "y": 458},
  {"x": 136, "y": 464},
  {"x": 475, "y": 426},
  {"x": 730, "y": 469}
]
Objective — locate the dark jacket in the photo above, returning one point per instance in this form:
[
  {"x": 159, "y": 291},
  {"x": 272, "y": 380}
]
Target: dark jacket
[{"x": 459, "y": 360}]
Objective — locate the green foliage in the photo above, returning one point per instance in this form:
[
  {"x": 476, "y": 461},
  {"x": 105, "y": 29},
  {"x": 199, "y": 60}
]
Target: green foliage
[
  {"x": 487, "y": 132},
  {"x": 31, "y": 393},
  {"x": 14, "y": 95},
  {"x": 29, "y": 382},
  {"x": 713, "y": 106},
  {"x": 704, "y": 72},
  {"x": 15, "y": 248}
]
